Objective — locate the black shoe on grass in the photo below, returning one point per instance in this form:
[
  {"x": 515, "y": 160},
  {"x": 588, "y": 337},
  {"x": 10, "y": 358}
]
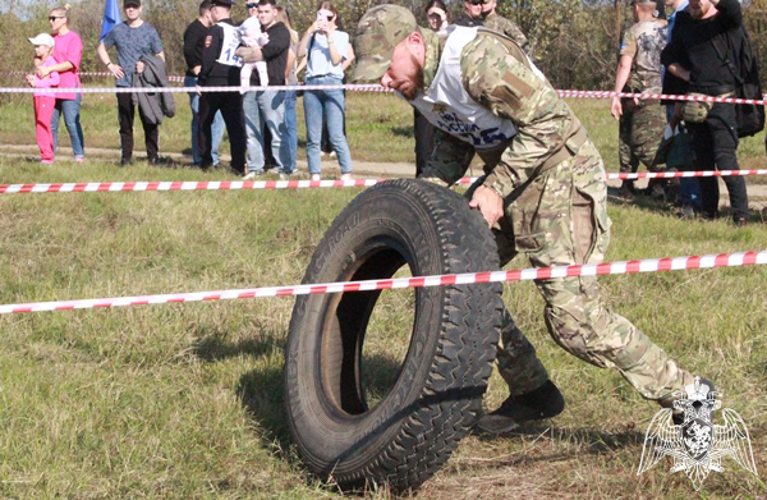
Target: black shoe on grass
[{"x": 543, "y": 402}]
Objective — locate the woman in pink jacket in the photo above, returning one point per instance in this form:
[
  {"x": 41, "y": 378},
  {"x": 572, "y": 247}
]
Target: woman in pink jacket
[
  {"x": 44, "y": 100},
  {"x": 68, "y": 52}
]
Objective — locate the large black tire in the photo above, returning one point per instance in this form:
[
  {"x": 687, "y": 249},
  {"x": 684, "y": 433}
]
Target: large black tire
[{"x": 412, "y": 431}]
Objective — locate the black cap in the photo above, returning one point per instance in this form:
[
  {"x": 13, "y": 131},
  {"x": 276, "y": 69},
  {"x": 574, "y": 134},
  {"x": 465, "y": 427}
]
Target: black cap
[
  {"x": 225, "y": 3},
  {"x": 132, "y": 2}
]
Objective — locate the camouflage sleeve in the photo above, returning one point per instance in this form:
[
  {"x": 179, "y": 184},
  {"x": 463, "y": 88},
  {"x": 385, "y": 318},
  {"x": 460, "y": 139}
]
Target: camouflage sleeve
[
  {"x": 515, "y": 33},
  {"x": 449, "y": 159},
  {"x": 629, "y": 45},
  {"x": 516, "y": 91}
]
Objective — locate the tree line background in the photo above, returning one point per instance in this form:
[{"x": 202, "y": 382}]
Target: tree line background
[{"x": 574, "y": 42}]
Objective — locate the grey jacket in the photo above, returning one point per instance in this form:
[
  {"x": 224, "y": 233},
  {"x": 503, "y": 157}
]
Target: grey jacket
[{"x": 153, "y": 105}]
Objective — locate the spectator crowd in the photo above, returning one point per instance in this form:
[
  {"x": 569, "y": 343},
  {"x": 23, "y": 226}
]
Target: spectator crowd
[{"x": 696, "y": 51}]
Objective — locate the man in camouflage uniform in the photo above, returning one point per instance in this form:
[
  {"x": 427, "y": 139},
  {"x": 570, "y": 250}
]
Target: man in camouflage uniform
[
  {"x": 544, "y": 194},
  {"x": 639, "y": 70},
  {"x": 482, "y": 13},
  {"x": 502, "y": 25}
]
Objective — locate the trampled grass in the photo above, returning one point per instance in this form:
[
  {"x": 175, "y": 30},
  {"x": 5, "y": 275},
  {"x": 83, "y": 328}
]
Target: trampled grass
[{"x": 185, "y": 400}]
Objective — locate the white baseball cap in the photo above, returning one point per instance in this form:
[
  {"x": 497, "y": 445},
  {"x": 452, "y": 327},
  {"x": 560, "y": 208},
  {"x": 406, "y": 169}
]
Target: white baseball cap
[{"x": 42, "y": 39}]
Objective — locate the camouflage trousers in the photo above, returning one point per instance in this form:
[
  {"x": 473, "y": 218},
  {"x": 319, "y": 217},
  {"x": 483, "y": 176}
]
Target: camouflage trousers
[
  {"x": 561, "y": 219},
  {"x": 640, "y": 132}
]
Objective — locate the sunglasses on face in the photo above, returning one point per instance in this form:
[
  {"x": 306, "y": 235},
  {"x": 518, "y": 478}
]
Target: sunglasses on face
[
  {"x": 479, "y": 2},
  {"x": 53, "y": 18},
  {"x": 251, "y": 5}
]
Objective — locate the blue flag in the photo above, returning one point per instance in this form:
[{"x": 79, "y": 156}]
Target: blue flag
[{"x": 111, "y": 17}]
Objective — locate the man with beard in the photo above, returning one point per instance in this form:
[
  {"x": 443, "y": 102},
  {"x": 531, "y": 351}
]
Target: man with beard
[
  {"x": 641, "y": 122},
  {"x": 545, "y": 195},
  {"x": 702, "y": 53}
]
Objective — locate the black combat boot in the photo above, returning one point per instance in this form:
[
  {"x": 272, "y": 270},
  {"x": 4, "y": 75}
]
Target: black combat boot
[{"x": 543, "y": 402}]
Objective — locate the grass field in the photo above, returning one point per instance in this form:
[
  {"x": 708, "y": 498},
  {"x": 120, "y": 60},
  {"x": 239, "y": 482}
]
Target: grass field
[{"x": 185, "y": 401}]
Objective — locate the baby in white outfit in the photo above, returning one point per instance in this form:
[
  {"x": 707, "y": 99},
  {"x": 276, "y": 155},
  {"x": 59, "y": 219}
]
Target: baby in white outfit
[{"x": 251, "y": 35}]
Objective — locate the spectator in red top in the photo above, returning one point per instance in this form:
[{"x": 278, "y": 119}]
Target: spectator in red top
[
  {"x": 44, "y": 99},
  {"x": 67, "y": 54}
]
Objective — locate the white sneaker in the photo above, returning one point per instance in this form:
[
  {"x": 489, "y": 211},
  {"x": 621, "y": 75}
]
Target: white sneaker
[
  {"x": 332, "y": 154},
  {"x": 315, "y": 177},
  {"x": 346, "y": 177},
  {"x": 250, "y": 175}
]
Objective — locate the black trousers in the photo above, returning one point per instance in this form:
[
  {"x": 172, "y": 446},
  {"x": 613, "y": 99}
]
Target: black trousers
[
  {"x": 714, "y": 143},
  {"x": 230, "y": 104},
  {"x": 424, "y": 140},
  {"x": 126, "y": 112}
]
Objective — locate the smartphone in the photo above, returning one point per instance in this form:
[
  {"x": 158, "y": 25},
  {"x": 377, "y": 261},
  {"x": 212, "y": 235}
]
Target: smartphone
[{"x": 322, "y": 17}]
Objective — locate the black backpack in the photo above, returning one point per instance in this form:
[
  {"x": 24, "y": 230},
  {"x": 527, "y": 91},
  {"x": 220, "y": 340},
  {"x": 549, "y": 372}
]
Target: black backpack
[{"x": 750, "y": 117}]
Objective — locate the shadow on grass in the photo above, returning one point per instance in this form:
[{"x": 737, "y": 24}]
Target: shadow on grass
[
  {"x": 403, "y": 132},
  {"x": 214, "y": 348},
  {"x": 585, "y": 440},
  {"x": 669, "y": 209}
]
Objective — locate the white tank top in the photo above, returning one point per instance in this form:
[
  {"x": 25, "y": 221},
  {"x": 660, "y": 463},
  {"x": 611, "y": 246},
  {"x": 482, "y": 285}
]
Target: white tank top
[
  {"x": 229, "y": 45},
  {"x": 448, "y": 106}
]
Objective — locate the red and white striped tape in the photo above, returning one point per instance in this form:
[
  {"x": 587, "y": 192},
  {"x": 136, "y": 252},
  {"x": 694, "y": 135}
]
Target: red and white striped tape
[
  {"x": 624, "y": 267},
  {"x": 698, "y": 173},
  {"x": 604, "y": 94},
  {"x": 124, "y": 187},
  {"x": 114, "y": 187},
  {"x": 130, "y": 90},
  {"x": 598, "y": 94}
]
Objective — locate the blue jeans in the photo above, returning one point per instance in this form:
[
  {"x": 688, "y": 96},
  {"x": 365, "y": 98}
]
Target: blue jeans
[
  {"x": 266, "y": 107},
  {"x": 70, "y": 108},
  {"x": 327, "y": 105},
  {"x": 291, "y": 124},
  {"x": 218, "y": 124}
]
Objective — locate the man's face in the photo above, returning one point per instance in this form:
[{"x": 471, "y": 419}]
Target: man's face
[
  {"x": 489, "y": 7},
  {"x": 267, "y": 14},
  {"x": 405, "y": 73},
  {"x": 252, "y": 8},
  {"x": 473, "y": 10},
  {"x": 132, "y": 12},
  {"x": 207, "y": 18},
  {"x": 699, "y": 8}
]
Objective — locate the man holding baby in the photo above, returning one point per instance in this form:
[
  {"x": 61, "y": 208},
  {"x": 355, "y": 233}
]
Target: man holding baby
[{"x": 265, "y": 107}]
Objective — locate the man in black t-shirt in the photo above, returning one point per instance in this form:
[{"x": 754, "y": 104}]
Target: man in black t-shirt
[
  {"x": 194, "y": 39},
  {"x": 267, "y": 107},
  {"x": 699, "y": 53}
]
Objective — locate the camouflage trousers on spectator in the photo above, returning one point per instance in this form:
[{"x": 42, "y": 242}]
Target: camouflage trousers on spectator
[
  {"x": 640, "y": 132},
  {"x": 561, "y": 219}
]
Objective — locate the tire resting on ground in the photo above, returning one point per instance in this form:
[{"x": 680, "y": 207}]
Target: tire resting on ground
[{"x": 436, "y": 398}]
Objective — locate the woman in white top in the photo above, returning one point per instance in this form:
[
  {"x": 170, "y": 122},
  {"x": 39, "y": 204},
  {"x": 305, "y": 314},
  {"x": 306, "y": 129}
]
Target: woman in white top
[{"x": 326, "y": 49}]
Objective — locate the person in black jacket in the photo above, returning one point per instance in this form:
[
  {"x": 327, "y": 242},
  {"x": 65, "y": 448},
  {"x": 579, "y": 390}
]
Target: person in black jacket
[
  {"x": 699, "y": 54},
  {"x": 221, "y": 68},
  {"x": 194, "y": 40},
  {"x": 267, "y": 107}
]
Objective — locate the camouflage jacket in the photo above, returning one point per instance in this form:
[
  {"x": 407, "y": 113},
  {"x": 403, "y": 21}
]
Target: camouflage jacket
[{"x": 497, "y": 75}]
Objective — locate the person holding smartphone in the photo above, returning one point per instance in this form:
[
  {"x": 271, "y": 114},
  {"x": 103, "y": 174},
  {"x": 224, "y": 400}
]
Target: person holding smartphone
[{"x": 326, "y": 48}]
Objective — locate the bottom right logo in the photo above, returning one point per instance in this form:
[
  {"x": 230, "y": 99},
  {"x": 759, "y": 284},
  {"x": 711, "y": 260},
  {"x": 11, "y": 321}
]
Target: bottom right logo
[{"x": 690, "y": 437}]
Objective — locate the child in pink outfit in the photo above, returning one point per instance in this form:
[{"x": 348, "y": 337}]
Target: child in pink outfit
[
  {"x": 251, "y": 36},
  {"x": 45, "y": 100}
]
